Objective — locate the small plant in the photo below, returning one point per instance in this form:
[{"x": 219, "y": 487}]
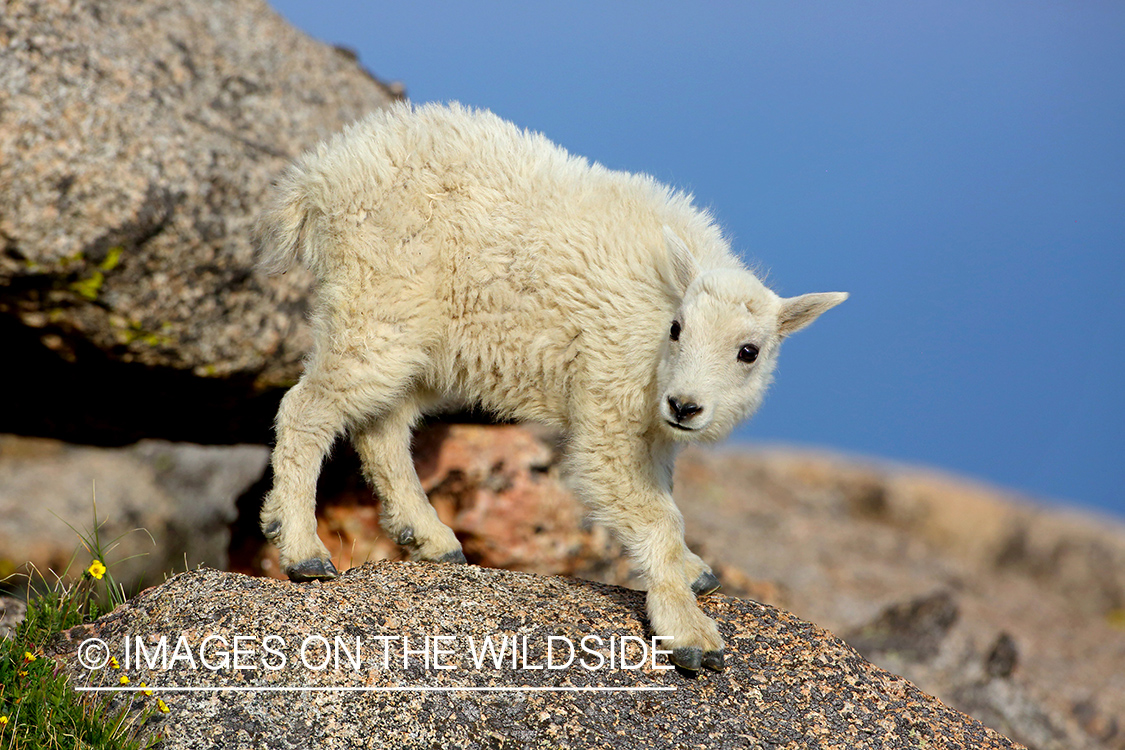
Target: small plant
[{"x": 39, "y": 707}]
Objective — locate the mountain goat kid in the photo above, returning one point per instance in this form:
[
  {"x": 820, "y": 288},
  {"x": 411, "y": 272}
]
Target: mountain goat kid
[{"x": 463, "y": 261}]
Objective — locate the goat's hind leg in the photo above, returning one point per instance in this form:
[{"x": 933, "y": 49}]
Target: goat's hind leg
[
  {"x": 309, "y": 419},
  {"x": 312, "y": 414},
  {"x": 383, "y": 445}
]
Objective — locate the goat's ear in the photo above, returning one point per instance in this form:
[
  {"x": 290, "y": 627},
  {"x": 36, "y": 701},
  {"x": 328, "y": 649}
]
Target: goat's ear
[
  {"x": 683, "y": 263},
  {"x": 798, "y": 312}
]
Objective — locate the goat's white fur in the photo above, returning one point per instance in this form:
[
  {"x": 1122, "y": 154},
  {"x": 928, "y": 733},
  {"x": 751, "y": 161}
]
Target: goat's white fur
[{"x": 463, "y": 260}]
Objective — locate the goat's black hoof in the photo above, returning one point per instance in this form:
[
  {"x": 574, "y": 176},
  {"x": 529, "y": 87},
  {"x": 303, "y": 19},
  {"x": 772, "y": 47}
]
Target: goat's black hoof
[
  {"x": 312, "y": 570},
  {"x": 706, "y": 584},
  {"x": 688, "y": 658},
  {"x": 714, "y": 660},
  {"x": 272, "y": 530},
  {"x": 456, "y": 556}
]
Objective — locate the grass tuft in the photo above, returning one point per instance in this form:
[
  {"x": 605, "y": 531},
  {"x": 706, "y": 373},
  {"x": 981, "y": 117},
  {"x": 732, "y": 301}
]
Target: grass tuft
[{"x": 39, "y": 707}]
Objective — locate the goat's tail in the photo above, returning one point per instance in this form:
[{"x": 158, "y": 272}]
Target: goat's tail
[{"x": 283, "y": 232}]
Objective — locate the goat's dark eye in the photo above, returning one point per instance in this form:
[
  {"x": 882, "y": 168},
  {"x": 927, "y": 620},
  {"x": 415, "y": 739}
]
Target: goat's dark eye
[
  {"x": 748, "y": 353},
  {"x": 675, "y": 332}
]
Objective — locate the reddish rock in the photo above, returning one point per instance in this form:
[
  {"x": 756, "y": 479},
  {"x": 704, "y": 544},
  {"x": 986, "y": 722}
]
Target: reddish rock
[{"x": 497, "y": 486}]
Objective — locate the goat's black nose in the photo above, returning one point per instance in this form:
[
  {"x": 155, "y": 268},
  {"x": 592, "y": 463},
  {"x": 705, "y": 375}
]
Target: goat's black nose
[{"x": 684, "y": 410}]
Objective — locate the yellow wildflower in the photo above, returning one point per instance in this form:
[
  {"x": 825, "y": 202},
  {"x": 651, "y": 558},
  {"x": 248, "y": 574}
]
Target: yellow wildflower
[
  {"x": 113, "y": 662},
  {"x": 21, "y": 673},
  {"x": 28, "y": 656},
  {"x": 96, "y": 569},
  {"x": 124, "y": 680},
  {"x": 3, "y": 720},
  {"x": 146, "y": 692},
  {"x": 161, "y": 705}
]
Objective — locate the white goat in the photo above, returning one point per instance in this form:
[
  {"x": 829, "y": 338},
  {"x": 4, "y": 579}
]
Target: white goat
[{"x": 461, "y": 260}]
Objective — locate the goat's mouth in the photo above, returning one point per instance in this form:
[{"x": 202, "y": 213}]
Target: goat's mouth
[{"x": 679, "y": 426}]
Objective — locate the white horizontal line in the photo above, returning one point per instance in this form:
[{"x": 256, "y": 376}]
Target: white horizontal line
[{"x": 392, "y": 689}]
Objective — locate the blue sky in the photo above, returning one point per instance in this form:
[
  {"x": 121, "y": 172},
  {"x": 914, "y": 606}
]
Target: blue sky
[{"x": 959, "y": 167}]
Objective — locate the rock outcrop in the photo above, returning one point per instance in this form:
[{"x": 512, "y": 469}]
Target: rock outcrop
[
  {"x": 787, "y": 683},
  {"x": 136, "y": 142}
]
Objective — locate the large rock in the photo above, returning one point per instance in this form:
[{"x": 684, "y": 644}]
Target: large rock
[
  {"x": 160, "y": 506},
  {"x": 787, "y": 683},
  {"x": 136, "y": 142}
]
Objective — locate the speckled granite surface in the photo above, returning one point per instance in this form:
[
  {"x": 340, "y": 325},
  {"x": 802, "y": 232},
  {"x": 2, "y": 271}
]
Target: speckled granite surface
[
  {"x": 787, "y": 683},
  {"x": 136, "y": 142}
]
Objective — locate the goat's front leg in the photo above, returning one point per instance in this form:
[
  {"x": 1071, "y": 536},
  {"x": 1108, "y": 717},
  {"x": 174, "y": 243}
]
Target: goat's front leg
[{"x": 627, "y": 488}]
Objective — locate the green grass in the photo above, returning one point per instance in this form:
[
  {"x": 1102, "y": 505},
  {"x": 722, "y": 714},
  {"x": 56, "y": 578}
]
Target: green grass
[{"x": 39, "y": 707}]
